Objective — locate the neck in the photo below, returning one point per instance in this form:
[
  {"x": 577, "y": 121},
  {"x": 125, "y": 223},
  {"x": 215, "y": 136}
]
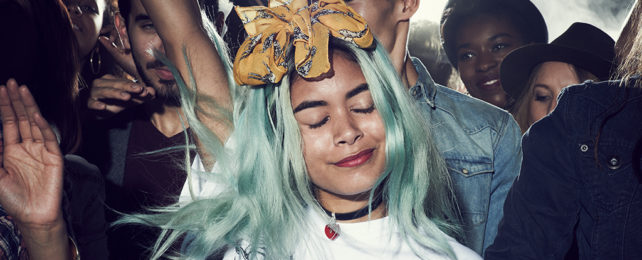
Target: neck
[
  {"x": 167, "y": 119},
  {"x": 400, "y": 57},
  {"x": 347, "y": 204}
]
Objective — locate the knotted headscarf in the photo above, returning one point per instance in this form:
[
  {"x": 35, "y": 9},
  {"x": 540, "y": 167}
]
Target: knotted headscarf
[{"x": 261, "y": 59}]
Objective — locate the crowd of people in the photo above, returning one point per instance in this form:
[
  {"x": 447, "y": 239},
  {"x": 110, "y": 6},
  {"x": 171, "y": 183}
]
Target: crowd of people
[{"x": 305, "y": 129}]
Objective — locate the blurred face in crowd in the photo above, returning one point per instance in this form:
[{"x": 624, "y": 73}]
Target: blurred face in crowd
[
  {"x": 144, "y": 41},
  {"x": 343, "y": 134},
  {"x": 482, "y": 42},
  {"x": 86, "y": 20},
  {"x": 547, "y": 82}
]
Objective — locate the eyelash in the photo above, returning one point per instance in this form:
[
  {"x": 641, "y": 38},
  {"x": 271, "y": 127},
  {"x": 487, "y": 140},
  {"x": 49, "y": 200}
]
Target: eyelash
[
  {"x": 361, "y": 111},
  {"x": 317, "y": 125},
  {"x": 541, "y": 98},
  {"x": 465, "y": 56},
  {"x": 365, "y": 110}
]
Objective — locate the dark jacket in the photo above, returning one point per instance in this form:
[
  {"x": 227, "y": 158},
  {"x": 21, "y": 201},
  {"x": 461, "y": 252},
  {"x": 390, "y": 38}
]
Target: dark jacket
[{"x": 580, "y": 176}]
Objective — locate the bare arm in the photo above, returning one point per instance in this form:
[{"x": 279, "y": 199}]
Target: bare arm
[{"x": 179, "y": 24}]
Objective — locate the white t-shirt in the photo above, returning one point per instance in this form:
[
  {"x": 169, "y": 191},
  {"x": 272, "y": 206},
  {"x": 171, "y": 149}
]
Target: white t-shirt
[
  {"x": 365, "y": 240},
  {"x": 201, "y": 185}
]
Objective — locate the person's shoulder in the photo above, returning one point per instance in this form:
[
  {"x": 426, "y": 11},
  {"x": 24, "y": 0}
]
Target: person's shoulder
[
  {"x": 462, "y": 252},
  {"x": 469, "y": 110},
  {"x": 599, "y": 93},
  {"x": 81, "y": 171}
]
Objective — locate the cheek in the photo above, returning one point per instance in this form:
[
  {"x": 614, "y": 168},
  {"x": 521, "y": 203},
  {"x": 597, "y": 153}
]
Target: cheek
[
  {"x": 314, "y": 146},
  {"x": 376, "y": 127},
  {"x": 466, "y": 73},
  {"x": 537, "y": 110},
  {"x": 92, "y": 25},
  {"x": 143, "y": 47}
]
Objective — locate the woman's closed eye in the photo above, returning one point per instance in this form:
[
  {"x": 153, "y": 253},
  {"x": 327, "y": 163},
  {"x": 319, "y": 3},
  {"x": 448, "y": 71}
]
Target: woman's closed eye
[
  {"x": 367, "y": 110},
  {"x": 320, "y": 123},
  {"x": 542, "y": 94},
  {"x": 542, "y": 98}
]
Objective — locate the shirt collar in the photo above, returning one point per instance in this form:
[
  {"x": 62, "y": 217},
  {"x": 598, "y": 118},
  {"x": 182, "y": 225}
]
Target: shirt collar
[{"x": 425, "y": 87}]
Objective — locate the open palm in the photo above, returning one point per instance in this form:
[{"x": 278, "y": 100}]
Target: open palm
[{"x": 31, "y": 162}]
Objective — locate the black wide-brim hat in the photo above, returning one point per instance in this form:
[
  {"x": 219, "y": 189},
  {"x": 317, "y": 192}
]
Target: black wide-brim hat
[
  {"x": 532, "y": 25},
  {"x": 582, "y": 45}
]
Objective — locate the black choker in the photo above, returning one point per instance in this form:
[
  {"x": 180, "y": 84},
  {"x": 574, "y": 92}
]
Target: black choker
[{"x": 355, "y": 214}]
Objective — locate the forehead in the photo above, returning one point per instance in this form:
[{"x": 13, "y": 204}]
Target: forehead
[
  {"x": 555, "y": 71},
  {"x": 485, "y": 26},
  {"x": 137, "y": 8},
  {"x": 344, "y": 76}
]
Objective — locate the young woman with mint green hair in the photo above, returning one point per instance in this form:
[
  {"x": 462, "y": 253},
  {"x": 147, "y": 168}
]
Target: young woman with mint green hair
[{"x": 330, "y": 157}]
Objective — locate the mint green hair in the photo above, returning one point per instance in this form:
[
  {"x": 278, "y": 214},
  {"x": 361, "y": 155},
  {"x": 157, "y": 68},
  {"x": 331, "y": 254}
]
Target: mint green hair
[{"x": 269, "y": 192}]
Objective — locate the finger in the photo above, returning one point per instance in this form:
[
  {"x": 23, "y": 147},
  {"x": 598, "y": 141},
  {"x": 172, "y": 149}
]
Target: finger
[
  {"x": 10, "y": 132},
  {"x": 31, "y": 108},
  {"x": 1, "y": 151},
  {"x": 111, "y": 47},
  {"x": 118, "y": 83},
  {"x": 95, "y": 104},
  {"x": 49, "y": 137},
  {"x": 151, "y": 92},
  {"x": 24, "y": 126},
  {"x": 105, "y": 93}
]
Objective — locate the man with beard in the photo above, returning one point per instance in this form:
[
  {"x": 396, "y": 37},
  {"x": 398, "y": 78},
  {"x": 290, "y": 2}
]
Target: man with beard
[{"x": 140, "y": 171}]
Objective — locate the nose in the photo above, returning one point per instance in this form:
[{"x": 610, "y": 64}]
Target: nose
[
  {"x": 158, "y": 44},
  {"x": 347, "y": 131},
  {"x": 486, "y": 62},
  {"x": 74, "y": 9}
]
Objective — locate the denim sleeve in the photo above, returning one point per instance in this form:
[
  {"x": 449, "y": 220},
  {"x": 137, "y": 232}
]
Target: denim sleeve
[
  {"x": 542, "y": 206},
  {"x": 508, "y": 158}
]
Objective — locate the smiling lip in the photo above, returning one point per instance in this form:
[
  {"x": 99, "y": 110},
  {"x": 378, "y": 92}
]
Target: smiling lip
[
  {"x": 489, "y": 83},
  {"x": 357, "y": 159},
  {"x": 164, "y": 74}
]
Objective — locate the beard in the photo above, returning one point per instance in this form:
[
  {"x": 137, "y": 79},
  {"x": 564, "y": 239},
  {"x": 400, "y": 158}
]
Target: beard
[{"x": 166, "y": 90}]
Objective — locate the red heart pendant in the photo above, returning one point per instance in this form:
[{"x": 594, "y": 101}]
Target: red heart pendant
[{"x": 331, "y": 233}]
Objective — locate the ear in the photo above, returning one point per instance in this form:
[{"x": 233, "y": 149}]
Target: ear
[{"x": 407, "y": 8}]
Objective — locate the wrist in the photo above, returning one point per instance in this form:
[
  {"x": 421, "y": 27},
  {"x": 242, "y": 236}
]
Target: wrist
[
  {"x": 48, "y": 242},
  {"x": 43, "y": 234}
]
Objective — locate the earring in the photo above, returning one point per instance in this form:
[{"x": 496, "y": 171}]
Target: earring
[{"x": 95, "y": 61}]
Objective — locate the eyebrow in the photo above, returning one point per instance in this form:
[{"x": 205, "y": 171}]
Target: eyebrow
[
  {"x": 361, "y": 88},
  {"x": 494, "y": 38},
  {"x": 541, "y": 86},
  {"x": 141, "y": 17},
  {"x": 310, "y": 104},
  {"x": 500, "y": 35}
]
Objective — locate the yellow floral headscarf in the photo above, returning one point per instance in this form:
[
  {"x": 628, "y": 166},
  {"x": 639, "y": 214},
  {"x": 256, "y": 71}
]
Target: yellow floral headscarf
[{"x": 261, "y": 59}]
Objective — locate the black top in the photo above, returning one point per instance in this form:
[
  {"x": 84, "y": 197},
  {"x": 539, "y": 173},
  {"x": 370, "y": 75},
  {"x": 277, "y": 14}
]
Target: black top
[{"x": 153, "y": 177}]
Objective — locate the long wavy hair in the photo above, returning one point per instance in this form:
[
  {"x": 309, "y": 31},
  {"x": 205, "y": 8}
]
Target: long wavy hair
[
  {"x": 629, "y": 48},
  {"x": 268, "y": 191}
]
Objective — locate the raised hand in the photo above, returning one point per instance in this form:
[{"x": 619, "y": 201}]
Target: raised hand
[
  {"x": 31, "y": 175},
  {"x": 117, "y": 44},
  {"x": 111, "y": 95}
]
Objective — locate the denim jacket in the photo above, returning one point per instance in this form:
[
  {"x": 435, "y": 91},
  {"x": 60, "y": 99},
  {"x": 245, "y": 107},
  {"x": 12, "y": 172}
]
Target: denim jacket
[
  {"x": 580, "y": 177},
  {"x": 482, "y": 149}
]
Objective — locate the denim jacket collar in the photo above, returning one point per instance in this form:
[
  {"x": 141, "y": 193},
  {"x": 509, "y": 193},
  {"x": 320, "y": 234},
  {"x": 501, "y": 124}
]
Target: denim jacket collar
[{"x": 425, "y": 86}]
